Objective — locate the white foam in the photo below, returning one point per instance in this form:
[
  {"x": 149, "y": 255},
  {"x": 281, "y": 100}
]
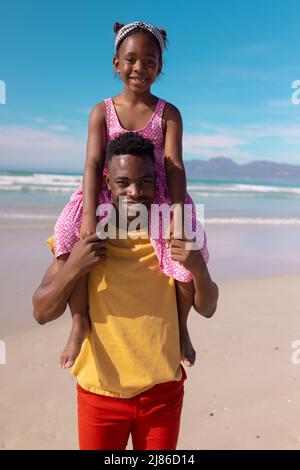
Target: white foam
[
  {"x": 241, "y": 188},
  {"x": 23, "y": 216},
  {"x": 253, "y": 221},
  {"x": 40, "y": 182}
]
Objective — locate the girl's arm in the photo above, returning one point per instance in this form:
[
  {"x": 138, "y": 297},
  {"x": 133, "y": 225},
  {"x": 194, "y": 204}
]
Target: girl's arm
[
  {"x": 175, "y": 172},
  {"x": 93, "y": 169},
  {"x": 205, "y": 291}
]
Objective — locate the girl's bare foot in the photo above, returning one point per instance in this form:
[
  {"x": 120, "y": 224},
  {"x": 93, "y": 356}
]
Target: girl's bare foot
[
  {"x": 188, "y": 353},
  {"x": 80, "y": 330}
]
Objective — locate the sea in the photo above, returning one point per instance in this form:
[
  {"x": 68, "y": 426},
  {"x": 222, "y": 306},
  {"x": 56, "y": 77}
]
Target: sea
[{"x": 40, "y": 196}]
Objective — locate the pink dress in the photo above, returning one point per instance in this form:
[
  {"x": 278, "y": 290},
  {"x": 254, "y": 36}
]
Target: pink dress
[{"x": 67, "y": 228}]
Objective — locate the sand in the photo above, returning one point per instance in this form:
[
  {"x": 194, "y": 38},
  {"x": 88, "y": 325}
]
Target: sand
[{"x": 243, "y": 392}]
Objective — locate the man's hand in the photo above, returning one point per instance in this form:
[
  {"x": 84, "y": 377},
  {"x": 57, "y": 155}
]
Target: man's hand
[
  {"x": 86, "y": 254},
  {"x": 51, "y": 297}
]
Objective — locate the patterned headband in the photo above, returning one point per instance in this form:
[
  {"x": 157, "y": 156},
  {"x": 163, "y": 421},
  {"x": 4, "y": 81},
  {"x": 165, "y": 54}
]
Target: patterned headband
[{"x": 130, "y": 26}]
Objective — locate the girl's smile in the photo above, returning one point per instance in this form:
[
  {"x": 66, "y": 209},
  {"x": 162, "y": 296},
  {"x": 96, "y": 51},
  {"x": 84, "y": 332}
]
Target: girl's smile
[{"x": 139, "y": 81}]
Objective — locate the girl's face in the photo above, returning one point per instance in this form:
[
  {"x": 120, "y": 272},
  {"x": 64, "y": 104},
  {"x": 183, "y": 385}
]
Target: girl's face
[{"x": 138, "y": 63}]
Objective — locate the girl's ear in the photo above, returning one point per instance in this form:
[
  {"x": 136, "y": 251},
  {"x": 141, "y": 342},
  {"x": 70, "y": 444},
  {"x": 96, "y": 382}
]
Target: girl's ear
[{"x": 116, "y": 64}]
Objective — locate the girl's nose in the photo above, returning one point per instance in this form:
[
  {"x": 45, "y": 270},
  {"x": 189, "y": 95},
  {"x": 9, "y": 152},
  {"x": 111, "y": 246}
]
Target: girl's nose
[{"x": 139, "y": 66}]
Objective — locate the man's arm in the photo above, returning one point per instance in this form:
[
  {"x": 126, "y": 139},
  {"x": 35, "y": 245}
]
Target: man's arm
[
  {"x": 206, "y": 292},
  {"x": 51, "y": 297}
]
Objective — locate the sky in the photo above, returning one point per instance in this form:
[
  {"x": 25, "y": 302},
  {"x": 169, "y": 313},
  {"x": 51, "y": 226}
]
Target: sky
[{"x": 229, "y": 68}]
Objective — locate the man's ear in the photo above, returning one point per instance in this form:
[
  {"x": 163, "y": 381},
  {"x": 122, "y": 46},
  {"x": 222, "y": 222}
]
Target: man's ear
[{"x": 107, "y": 179}]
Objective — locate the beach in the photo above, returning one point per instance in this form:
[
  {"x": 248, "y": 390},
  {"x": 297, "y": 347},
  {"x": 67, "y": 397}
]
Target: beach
[{"x": 242, "y": 393}]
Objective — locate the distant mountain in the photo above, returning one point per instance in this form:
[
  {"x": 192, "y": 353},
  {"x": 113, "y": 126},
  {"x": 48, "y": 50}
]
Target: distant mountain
[{"x": 222, "y": 168}]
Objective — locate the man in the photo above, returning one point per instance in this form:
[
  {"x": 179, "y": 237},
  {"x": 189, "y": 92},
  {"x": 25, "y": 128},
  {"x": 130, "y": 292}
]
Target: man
[{"x": 129, "y": 375}]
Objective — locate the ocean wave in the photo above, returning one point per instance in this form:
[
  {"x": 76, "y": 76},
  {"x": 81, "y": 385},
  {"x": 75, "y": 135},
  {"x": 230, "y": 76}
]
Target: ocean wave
[
  {"x": 60, "y": 183},
  {"x": 253, "y": 221},
  {"x": 24, "y": 216},
  {"x": 29, "y": 188},
  {"x": 238, "y": 188},
  {"x": 40, "y": 182},
  {"x": 212, "y": 220}
]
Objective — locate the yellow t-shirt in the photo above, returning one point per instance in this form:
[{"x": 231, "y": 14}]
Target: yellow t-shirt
[{"x": 134, "y": 340}]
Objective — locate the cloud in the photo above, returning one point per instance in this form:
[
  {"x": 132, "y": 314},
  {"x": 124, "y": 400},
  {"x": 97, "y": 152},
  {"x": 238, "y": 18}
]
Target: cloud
[
  {"x": 24, "y": 137},
  {"x": 218, "y": 144},
  {"x": 283, "y": 103},
  {"x": 226, "y": 141},
  {"x": 26, "y": 146},
  {"x": 253, "y": 50},
  {"x": 83, "y": 110},
  {"x": 211, "y": 141},
  {"x": 57, "y": 128},
  {"x": 39, "y": 120},
  {"x": 229, "y": 72}
]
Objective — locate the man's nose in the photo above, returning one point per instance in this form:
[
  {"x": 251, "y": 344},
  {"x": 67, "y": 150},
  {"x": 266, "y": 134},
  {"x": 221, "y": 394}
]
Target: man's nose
[{"x": 133, "y": 190}]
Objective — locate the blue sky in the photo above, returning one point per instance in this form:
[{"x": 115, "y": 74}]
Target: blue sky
[{"x": 229, "y": 68}]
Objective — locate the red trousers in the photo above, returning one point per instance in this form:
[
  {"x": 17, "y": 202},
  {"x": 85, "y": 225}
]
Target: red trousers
[{"x": 152, "y": 418}]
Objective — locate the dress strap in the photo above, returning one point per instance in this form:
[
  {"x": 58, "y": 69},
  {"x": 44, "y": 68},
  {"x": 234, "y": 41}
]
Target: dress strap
[
  {"x": 108, "y": 111},
  {"x": 157, "y": 118},
  {"x": 160, "y": 108}
]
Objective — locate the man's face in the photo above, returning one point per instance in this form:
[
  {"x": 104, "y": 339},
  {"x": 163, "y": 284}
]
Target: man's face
[
  {"x": 131, "y": 176},
  {"x": 138, "y": 62}
]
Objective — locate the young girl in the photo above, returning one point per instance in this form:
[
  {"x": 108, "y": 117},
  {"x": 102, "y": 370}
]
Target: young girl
[{"x": 138, "y": 61}]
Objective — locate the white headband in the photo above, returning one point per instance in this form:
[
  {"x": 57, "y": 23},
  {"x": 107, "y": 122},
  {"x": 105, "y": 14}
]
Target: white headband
[{"x": 130, "y": 26}]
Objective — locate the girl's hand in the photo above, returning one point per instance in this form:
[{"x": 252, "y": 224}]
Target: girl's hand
[
  {"x": 176, "y": 227},
  {"x": 86, "y": 254},
  {"x": 88, "y": 226},
  {"x": 188, "y": 254}
]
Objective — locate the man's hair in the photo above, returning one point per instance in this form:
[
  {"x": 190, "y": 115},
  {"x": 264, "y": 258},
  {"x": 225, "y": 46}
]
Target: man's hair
[{"x": 130, "y": 143}]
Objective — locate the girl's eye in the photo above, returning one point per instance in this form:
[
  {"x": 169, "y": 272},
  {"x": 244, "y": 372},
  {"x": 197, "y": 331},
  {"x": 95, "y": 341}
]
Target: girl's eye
[{"x": 148, "y": 61}]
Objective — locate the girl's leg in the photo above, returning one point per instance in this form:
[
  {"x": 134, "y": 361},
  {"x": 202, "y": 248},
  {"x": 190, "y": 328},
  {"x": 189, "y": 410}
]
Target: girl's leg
[
  {"x": 78, "y": 303},
  {"x": 185, "y": 296}
]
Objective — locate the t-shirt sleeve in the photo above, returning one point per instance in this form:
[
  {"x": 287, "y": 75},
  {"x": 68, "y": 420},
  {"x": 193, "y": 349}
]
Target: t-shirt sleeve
[{"x": 51, "y": 242}]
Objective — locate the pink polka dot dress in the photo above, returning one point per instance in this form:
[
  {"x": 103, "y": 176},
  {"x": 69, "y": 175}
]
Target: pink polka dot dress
[{"x": 67, "y": 228}]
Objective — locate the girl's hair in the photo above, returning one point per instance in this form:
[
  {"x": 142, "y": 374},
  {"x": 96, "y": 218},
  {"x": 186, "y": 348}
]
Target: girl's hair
[{"x": 137, "y": 29}]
